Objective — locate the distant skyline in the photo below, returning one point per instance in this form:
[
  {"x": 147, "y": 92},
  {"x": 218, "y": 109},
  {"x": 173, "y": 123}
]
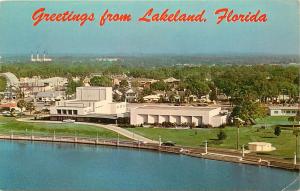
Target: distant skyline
[{"x": 279, "y": 36}]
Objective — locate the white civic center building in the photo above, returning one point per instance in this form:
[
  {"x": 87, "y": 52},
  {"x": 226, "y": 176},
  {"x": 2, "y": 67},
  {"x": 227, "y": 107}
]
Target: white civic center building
[
  {"x": 95, "y": 104},
  {"x": 178, "y": 114},
  {"x": 90, "y": 102}
]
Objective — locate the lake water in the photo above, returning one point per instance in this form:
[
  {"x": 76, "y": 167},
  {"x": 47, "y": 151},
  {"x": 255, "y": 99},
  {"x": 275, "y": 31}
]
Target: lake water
[{"x": 58, "y": 166}]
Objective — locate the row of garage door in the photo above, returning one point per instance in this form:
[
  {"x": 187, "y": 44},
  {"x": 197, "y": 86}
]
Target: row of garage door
[{"x": 169, "y": 118}]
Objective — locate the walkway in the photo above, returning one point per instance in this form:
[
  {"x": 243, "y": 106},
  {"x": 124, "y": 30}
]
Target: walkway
[{"x": 114, "y": 128}]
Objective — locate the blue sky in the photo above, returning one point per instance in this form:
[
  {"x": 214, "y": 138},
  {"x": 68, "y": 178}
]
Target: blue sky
[{"x": 279, "y": 36}]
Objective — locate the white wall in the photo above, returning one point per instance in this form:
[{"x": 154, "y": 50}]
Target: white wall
[
  {"x": 175, "y": 115},
  {"x": 94, "y": 94}
]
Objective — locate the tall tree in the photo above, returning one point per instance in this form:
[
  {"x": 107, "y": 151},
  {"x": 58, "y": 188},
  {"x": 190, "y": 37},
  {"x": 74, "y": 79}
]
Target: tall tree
[
  {"x": 30, "y": 107},
  {"x": 101, "y": 81},
  {"x": 248, "y": 110},
  {"x": 21, "y": 104},
  {"x": 296, "y": 130},
  {"x": 72, "y": 85}
]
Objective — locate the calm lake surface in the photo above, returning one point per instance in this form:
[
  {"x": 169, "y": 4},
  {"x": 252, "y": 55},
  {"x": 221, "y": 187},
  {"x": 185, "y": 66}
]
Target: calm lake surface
[{"x": 58, "y": 166}]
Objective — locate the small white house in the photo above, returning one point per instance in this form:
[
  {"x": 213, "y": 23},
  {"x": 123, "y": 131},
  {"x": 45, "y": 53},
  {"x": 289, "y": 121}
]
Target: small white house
[
  {"x": 50, "y": 96},
  {"x": 260, "y": 147},
  {"x": 151, "y": 98}
]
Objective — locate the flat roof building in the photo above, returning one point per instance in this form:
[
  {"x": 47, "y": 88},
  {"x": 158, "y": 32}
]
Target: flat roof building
[
  {"x": 94, "y": 102},
  {"x": 283, "y": 110},
  {"x": 260, "y": 147},
  {"x": 178, "y": 115}
]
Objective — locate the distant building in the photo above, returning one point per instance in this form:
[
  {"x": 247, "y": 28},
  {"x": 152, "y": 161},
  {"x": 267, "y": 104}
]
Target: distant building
[
  {"x": 49, "y": 96},
  {"x": 283, "y": 110},
  {"x": 177, "y": 114},
  {"x": 91, "y": 103},
  {"x": 151, "y": 98},
  {"x": 116, "y": 79},
  {"x": 34, "y": 85},
  {"x": 143, "y": 82},
  {"x": 107, "y": 59},
  {"x": 260, "y": 147},
  {"x": 171, "y": 80},
  {"x": 40, "y": 59},
  {"x": 9, "y": 106},
  {"x": 131, "y": 95}
]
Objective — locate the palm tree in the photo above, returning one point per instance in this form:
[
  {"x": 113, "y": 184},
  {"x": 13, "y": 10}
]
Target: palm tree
[
  {"x": 237, "y": 122},
  {"x": 296, "y": 131},
  {"x": 292, "y": 120}
]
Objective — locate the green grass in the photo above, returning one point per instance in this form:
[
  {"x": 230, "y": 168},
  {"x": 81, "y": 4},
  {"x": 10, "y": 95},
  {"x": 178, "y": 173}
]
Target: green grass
[
  {"x": 285, "y": 143},
  {"x": 2, "y": 83},
  {"x": 8, "y": 124}
]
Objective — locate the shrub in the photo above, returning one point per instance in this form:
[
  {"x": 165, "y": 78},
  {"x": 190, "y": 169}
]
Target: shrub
[
  {"x": 156, "y": 124},
  {"x": 222, "y": 135},
  {"x": 126, "y": 126},
  {"x": 204, "y": 126},
  {"x": 184, "y": 124},
  {"x": 167, "y": 124},
  {"x": 192, "y": 125},
  {"x": 277, "y": 131}
]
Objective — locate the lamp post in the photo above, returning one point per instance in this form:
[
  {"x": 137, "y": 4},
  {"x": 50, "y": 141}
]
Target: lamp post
[
  {"x": 235, "y": 121},
  {"x": 243, "y": 151},
  {"x": 238, "y": 136},
  {"x": 159, "y": 139},
  {"x": 97, "y": 139}
]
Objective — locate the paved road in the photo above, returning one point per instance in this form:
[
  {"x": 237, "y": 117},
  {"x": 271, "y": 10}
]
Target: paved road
[{"x": 114, "y": 128}]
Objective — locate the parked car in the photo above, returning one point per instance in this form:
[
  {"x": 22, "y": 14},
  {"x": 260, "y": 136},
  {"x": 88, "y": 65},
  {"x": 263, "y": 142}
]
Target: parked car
[
  {"x": 69, "y": 121},
  {"x": 6, "y": 113},
  {"x": 168, "y": 143}
]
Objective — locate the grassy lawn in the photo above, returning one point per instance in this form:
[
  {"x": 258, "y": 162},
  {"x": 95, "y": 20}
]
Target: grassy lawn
[
  {"x": 274, "y": 120},
  {"x": 8, "y": 124},
  {"x": 285, "y": 143}
]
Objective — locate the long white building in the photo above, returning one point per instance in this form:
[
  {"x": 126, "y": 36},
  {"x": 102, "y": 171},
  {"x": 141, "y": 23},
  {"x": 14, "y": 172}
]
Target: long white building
[
  {"x": 90, "y": 102},
  {"x": 178, "y": 114},
  {"x": 284, "y": 110}
]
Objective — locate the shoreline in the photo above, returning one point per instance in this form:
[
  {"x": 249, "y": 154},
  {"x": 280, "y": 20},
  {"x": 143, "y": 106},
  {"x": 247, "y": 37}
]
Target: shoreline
[{"x": 212, "y": 153}]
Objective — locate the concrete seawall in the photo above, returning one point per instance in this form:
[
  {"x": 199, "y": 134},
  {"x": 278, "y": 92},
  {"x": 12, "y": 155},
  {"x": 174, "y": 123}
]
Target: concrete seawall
[{"x": 212, "y": 153}]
